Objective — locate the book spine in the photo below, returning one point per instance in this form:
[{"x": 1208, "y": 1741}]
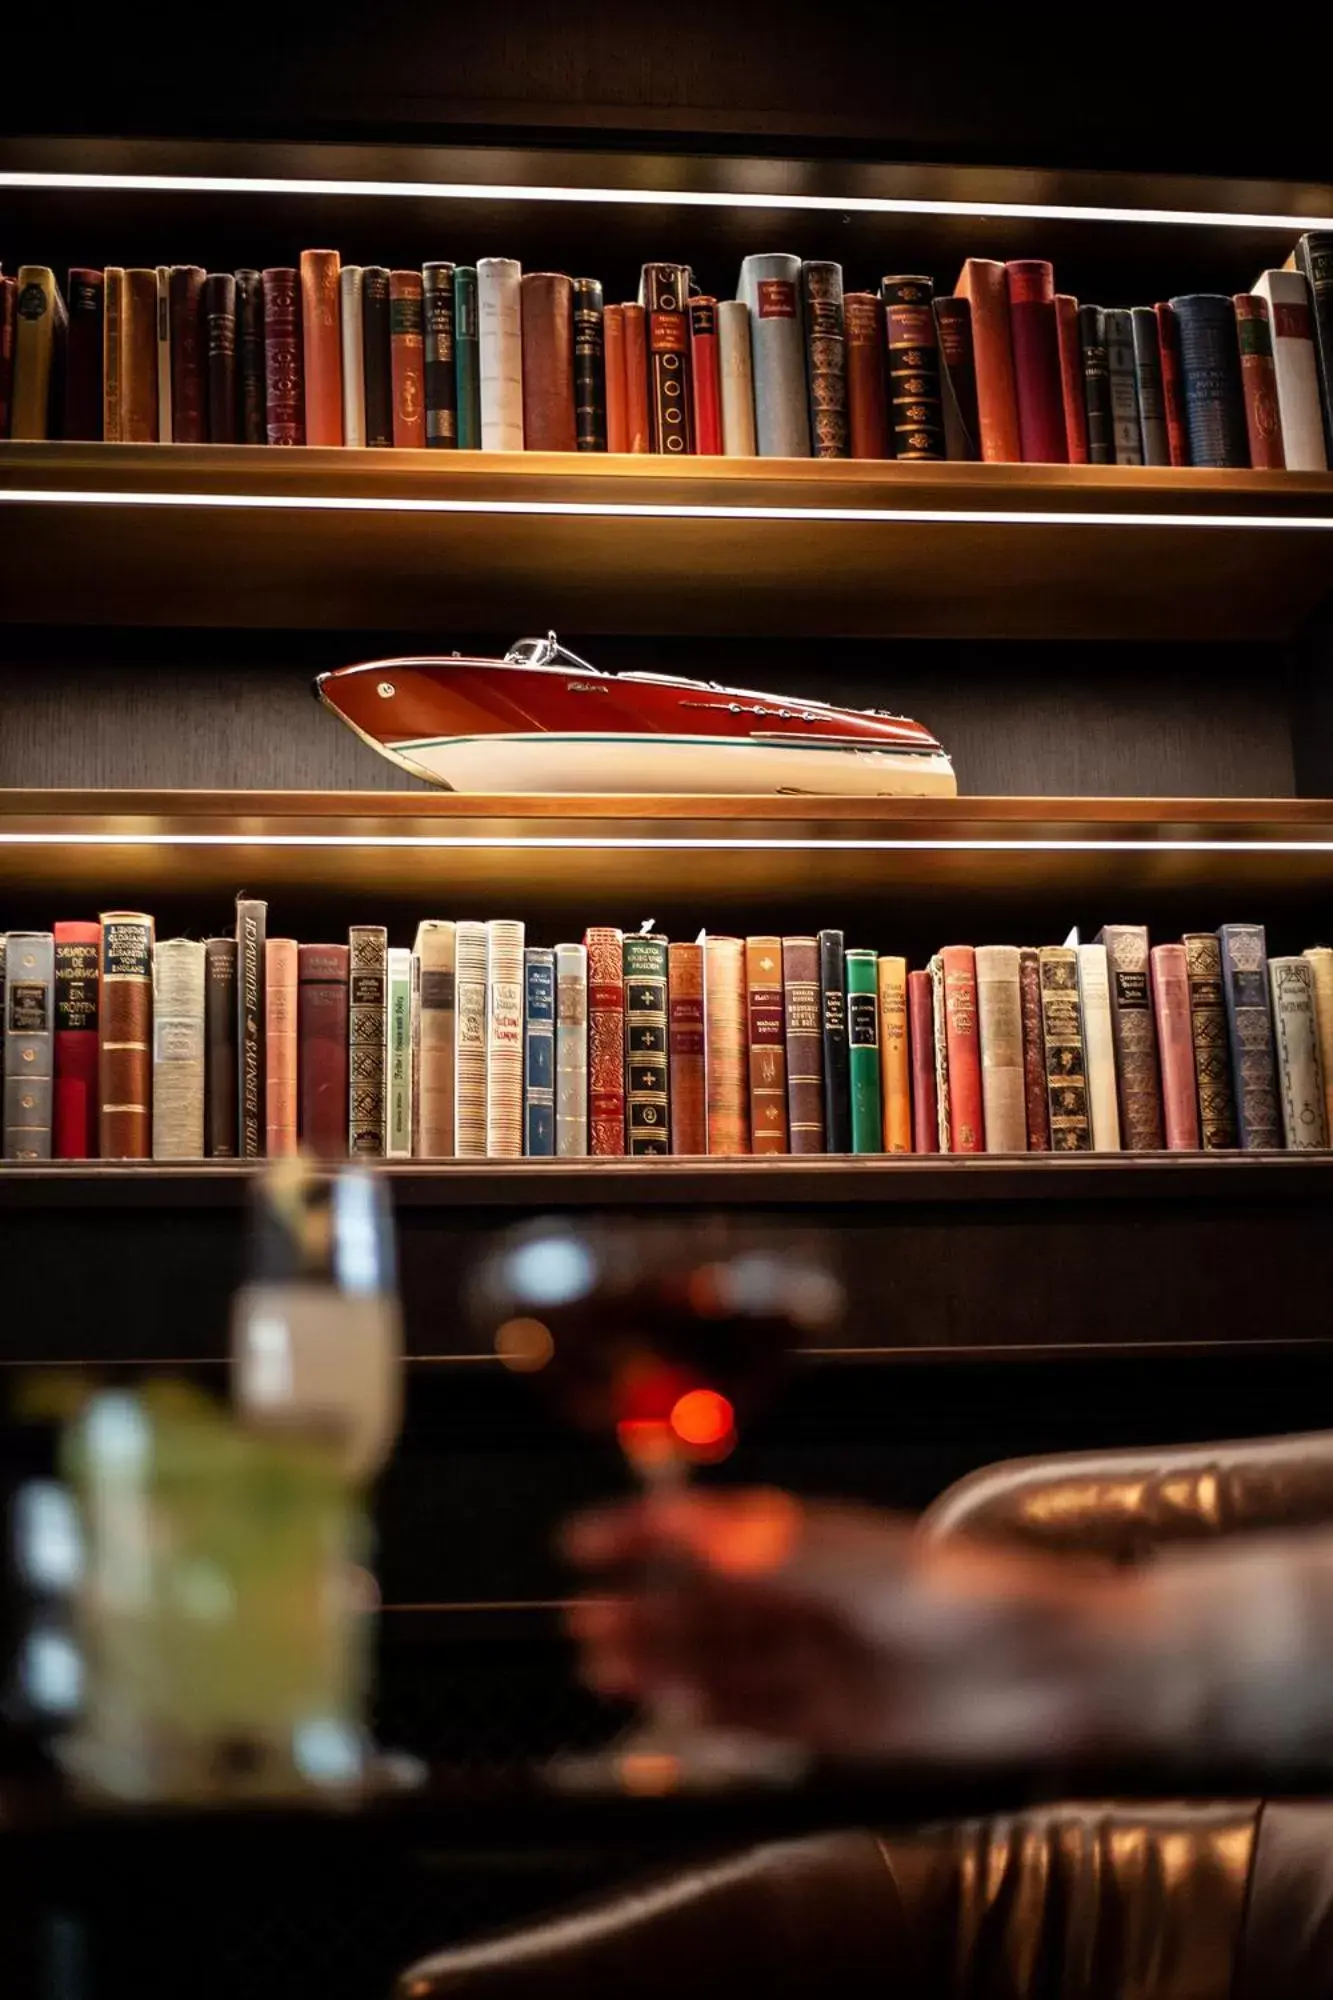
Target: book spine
[
  {"x": 606, "y": 1041},
  {"x": 825, "y": 358},
  {"x": 1321, "y": 964},
  {"x": 321, "y": 331},
  {"x": 178, "y": 1050},
  {"x": 138, "y": 358},
  {"x": 539, "y": 1053},
  {"x": 1134, "y": 1037},
  {"x": 736, "y": 368},
  {"x": 74, "y": 1130},
  {"x": 83, "y": 365},
  {"x": 985, "y": 285},
  {"x": 281, "y": 963},
  {"x": 251, "y": 1007},
  {"x": 1300, "y": 1072},
  {"x": 548, "y": 362},
  {"x": 1094, "y": 999},
  {"x": 685, "y": 1048},
  {"x": 867, "y": 395},
  {"x": 29, "y": 1044},
  {"x": 398, "y": 1055},
  {"x": 1037, "y": 385},
  {"x": 1250, "y": 1030},
  {"x": 221, "y": 1089},
  {"x": 376, "y": 354},
  {"x": 1096, "y": 385},
  {"x": 1175, "y": 1041},
  {"x": 1218, "y": 1131},
  {"x": 943, "y": 1115},
  {"x": 958, "y": 379},
  {"x": 636, "y": 377},
  {"x": 647, "y": 1056},
  {"x": 589, "y": 366},
  {"x": 435, "y": 1040},
  {"x": 921, "y": 1046},
  {"x": 1258, "y": 381},
  {"x": 251, "y": 356},
  {"x": 407, "y": 347},
  {"x": 125, "y": 1047},
  {"x": 504, "y": 1039},
  {"x": 770, "y": 287},
  {"x": 863, "y": 1050},
  {"x": 833, "y": 1016},
  {"x": 1210, "y": 373},
  {"x": 1126, "y": 429},
  {"x": 367, "y": 993},
  {"x": 9, "y": 293},
  {"x": 895, "y": 1088},
  {"x": 1314, "y": 261},
  {"x": 916, "y": 412},
  {"x": 706, "y": 378},
  {"x": 726, "y": 1047},
  {"x": 1062, "y": 1037},
  {"x": 804, "y": 1031},
  {"x": 351, "y": 312},
  {"x": 1148, "y": 382},
  {"x": 613, "y": 356},
  {"x": 1070, "y": 350},
  {"x": 967, "y": 1122},
  {"x": 1036, "y": 1106},
  {"x": 1173, "y": 385},
  {"x": 1292, "y": 328},
  {"x": 467, "y": 352},
  {"x": 284, "y": 385},
  {"x": 1000, "y": 1030},
  {"x": 500, "y": 352},
  {"x": 321, "y": 1038},
  {"x": 470, "y": 1059},
  {"x": 766, "y": 1029},
  {"x": 664, "y": 292},
  {"x": 114, "y": 278},
  {"x": 440, "y": 364},
  {"x": 34, "y": 352},
  {"x": 571, "y": 1051},
  {"x": 219, "y": 320}
]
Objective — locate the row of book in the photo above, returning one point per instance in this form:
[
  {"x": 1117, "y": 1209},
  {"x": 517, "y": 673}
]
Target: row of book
[
  {"x": 476, "y": 1044},
  {"x": 490, "y": 357}
]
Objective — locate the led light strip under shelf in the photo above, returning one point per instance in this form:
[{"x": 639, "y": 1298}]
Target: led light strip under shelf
[{"x": 651, "y": 843}]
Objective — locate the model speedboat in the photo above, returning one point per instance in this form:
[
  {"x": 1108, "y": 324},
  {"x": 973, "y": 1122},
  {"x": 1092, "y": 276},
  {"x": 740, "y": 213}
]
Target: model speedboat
[{"x": 543, "y": 720}]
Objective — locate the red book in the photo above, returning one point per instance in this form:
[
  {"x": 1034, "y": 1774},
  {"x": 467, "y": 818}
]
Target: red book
[
  {"x": 185, "y": 290},
  {"x": 74, "y": 1133},
  {"x": 284, "y": 361},
  {"x": 766, "y": 1015},
  {"x": 1037, "y": 379},
  {"x": 8, "y": 314},
  {"x": 1173, "y": 390},
  {"x": 921, "y": 1046},
  {"x": 1258, "y": 380},
  {"x": 407, "y": 359},
  {"x": 549, "y": 421},
  {"x": 966, "y": 1118},
  {"x": 1071, "y": 377},
  {"x": 636, "y": 378},
  {"x": 321, "y": 325},
  {"x": 685, "y": 1047},
  {"x": 985, "y": 284},
  {"x": 707, "y": 389},
  {"x": 321, "y": 1036},
  {"x": 606, "y": 1040},
  {"x": 613, "y": 355},
  {"x": 867, "y": 395},
  {"x": 1169, "y": 972}
]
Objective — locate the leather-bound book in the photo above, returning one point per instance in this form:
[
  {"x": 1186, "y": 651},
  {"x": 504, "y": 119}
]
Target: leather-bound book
[
  {"x": 1321, "y": 964},
  {"x": 685, "y": 1048},
  {"x": 367, "y": 1041},
  {"x": 406, "y": 360},
  {"x": 113, "y": 323},
  {"x": 138, "y": 358},
  {"x": 943, "y": 1115},
  {"x": 548, "y": 362},
  {"x": 125, "y": 1029},
  {"x": 1036, "y": 348},
  {"x": 28, "y": 1039},
  {"x": 867, "y": 393},
  {"x": 1126, "y": 430},
  {"x": 83, "y": 368},
  {"x": 664, "y": 292},
  {"x": 219, "y": 309},
  {"x": 706, "y": 378},
  {"x": 1000, "y": 1027},
  {"x": 736, "y": 368},
  {"x": 967, "y": 1120},
  {"x": 1244, "y": 951},
  {"x": 958, "y": 379},
  {"x": 504, "y": 1039},
  {"x": 921, "y": 1048},
  {"x": 613, "y": 347},
  {"x": 250, "y": 357},
  {"x": 863, "y": 1050},
  {"x": 351, "y": 314},
  {"x": 766, "y": 1031},
  {"x": 636, "y": 378},
  {"x": 589, "y": 366},
  {"x": 726, "y": 1037},
  {"x": 321, "y": 1037},
  {"x": 916, "y": 411},
  {"x": 606, "y": 1040},
  {"x": 1212, "y": 1043},
  {"x": 398, "y": 1054},
  {"x": 647, "y": 1049},
  {"x": 221, "y": 1090},
  {"x": 467, "y": 358},
  {"x": 1173, "y": 385},
  {"x": 825, "y": 358},
  {"x": 985, "y": 285},
  {"x": 1300, "y": 1069},
  {"x": 189, "y": 411},
  {"x": 1175, "y": 1044},
  {"x": 571, "y": 1051},
  {"x": 2, "y": 1028},
  {"x": 804, "y": 1033},
  {"x": 1070, "y": 349},
  {"x": 1210, "y": 374},
  {"x": 434, "y": 1039},
  {"x": 1062, "y": 1037},
  {"x": 771, "y": 287},
  {"x": 1137, "y": 1083},
  {"x": 321, "y": 334},
  {"x": 1094, "y": 999},
  {"x": 1148, "y": 382},
  {"x": 1292, "y": 327},
  {"x": 178, "y": 1050},
  {"x": 166, "y": 431},
  {"x": 1313, "y": 258},
  {"x": 539, "y": 1053},
  {"x": 76, "y": 1009},
  {"x": 281, "y": 982},
  {"x": 375, "y": 355},
  {"x": 251, "y": 1021},
  {"x": 1036, "y": 1108},
  {"x": 39, "y": 342},
  {"x": 833, "y": 1016},
  {"x": 500, "y": 352},
  {"x": 284, "y": 361},
  {"x": 470, "y": 1060},
  {"x": 1258, "y": 381},
  {"x": 9, "y": 293},
  {"x": 895, "y": 1086},
  {"x": 1096, "y": 385},
  {"x": 441, "y": 367}
]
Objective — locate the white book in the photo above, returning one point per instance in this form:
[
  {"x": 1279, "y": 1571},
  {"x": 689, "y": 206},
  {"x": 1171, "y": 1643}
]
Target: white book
[
  {"x": 504, "y": 1039},
  {"x": 353, "y": 355},
  {"x": 433, "y": 1039},
  {"x": 470, "y": 1046},
  {"x": 398, "y": 1057},
  {"x": 571, "y": 1051},
  {"x": 1300, "y": 1069},
  {"x": 1094, "y": 992},
  {"x": 737, "y": 373},
  {"x": 1000, "y": 1024},
  {"x": 500, "y": 352},
  {"x": 178, "y": 1050},
  {"x": 164, "y": 419},
  {"x": 1292, "y": 330},
  {"x": 1321, "y": 964}
]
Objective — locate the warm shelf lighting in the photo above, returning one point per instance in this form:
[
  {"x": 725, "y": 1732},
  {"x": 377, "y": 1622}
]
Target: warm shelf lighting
[{"x": 653, "y": 843}]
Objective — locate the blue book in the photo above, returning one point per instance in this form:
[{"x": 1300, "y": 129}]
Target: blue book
[
  {"x": 1250, "y": 1029},
  {"x": 1210, "y": 378},
  {"x": 539, "y": 1053}
]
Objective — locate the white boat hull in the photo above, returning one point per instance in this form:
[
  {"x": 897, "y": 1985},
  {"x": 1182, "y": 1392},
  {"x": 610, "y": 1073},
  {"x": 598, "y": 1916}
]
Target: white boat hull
[{"x": 548, "y": 762}]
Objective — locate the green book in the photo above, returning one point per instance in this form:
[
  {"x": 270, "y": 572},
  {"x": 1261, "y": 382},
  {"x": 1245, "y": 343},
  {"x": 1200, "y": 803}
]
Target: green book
[
  {"x": 467, "y": 358},
  {"x": 863, "y": 1049}
]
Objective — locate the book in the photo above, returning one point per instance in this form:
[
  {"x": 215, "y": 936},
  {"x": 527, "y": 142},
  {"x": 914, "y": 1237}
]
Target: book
[
  {"x": 284, "y": 364},
  {"x": 916, "y": 411},
  {"x": 1148, "y": 382},
  {"x": 1291, "y": 325},
  {"x": 1210, "y": 378},
  {"x": 1069, "y": 347},
  {"x": 895, "y": 1087},
  {"x": 1135, "y": 1038},
  {"x": 613, "y": 362},
  {"x": 407, "y": 348},
  {"x": 1173, "y": 387},
  {"x": 1321, "y": 964},
  {"x": 589, "y": 366},
  {"x": 940, "y": 1030},
  {"x": 1062, "y": 1038},
  {"x": 706, "y": 378},
  {"x": 803, "y": 1030},
  {"x": 685, "y": 1048},
  {"x": 504, "y": 1039},
  {"x": 1036, "y": 1103},
  {"x": 367, "y": 994},
  {"x": 1094, "y": 999},
  {"x": 251, "y": 361},
  {"x": 251, "y": 1005},
  {"x": 376, "y": 355},
  {"x": 351, "y": 311},
  {"x": 1175, "y": 1043},
  {"x": 833, "y": 1014},
  {"x": 83, "y": 365},
  {"x": 219, "y": 345},
  {"x": 164, "y": 416},
  {"x": 1258, "y": 381},
  {"x": 1300, "y": 1070},
  {"x": 434, "y": 1039},
  {"x": 1313, "y": 258},
  {"x": 178, "y": 1050},
  {"x": 571, "y": 1051},
  {"x": 138, "y": 357},
  {"x": 1096, "y": 385},
  {"x": 1212, "y": 1050},
  {"x": 826, "y": 358},
  {"x": 539, "y": 1052},
  {"x": 985, "y": 285},
  {"x": 770, "y": 287},
  {"x": 470, "y": 1044},
  {"x": 113, "y": 319},
  {"x": 8, "y": 321},
  {"x": 125, "y": 1031},
  {"x": 547, "y": 301},
  {"x": 1000, "y": 1033},
  {"x": 440, "y": 369},
  {"x": 863, "y": 1049},
  {"x": 74, "y": 1126},
  {"x": 1038, "y": 387},
  {"x": 1244, "y": 952},
  {"x": 189, "y": 409},
  {"x": 500, "y": 353},
  {"x": 867, "y": 393},
  {"x": 29, "y": 1053},
  {"x": 467, "y": 355},
  {"x": 767, "y": 1042},
  {"x": 321, "y": 335},
  {"x": 398, "y": 1055},
  {"x": 736, "y": 371},
  {"x": 221, "y": 1089},
  {"x": 664, "y": 291},
  {"x": 967, "y": 1121},
  {"x": 647, "y": 1073},
  {"x": 606, "y": 1040},
  {"x": 1126, "y": 429},
  {"x": 281, "y": 981},
  {"x": 636, "y": 377},
  {"x": 727, "y": 1047},
  {"x": 921, "y": 1050},
  {"x": 39, "y": 341},
  {"x": 322, "y": 1048},
  {"x": 958, "y": 378}
]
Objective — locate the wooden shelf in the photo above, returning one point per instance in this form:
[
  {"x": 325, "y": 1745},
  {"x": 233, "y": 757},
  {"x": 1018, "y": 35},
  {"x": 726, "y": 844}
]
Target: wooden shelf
[{"x": 445, "y": 543}]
